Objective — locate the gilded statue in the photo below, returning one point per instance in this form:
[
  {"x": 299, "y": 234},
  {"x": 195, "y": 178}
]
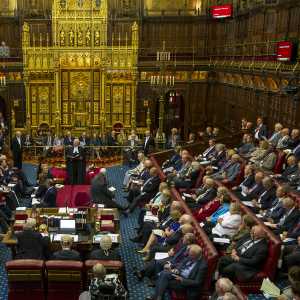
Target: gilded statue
[
  {"x": 88, "y": 38},
  {"x": 80, "y": 3},
  {"x": 71, "y": 38},
  {"x": 97, "y": 38},
  {"x": 79, "y": 38},
  {"x": 62, "y": 38}
]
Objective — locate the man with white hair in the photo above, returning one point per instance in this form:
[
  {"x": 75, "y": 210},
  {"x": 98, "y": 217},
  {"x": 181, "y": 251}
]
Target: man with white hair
[
  {"x": 223, "y": 286},
  {"x": 67, "y": 253},
  {"x": 75, "y": 157},
  {"x": 187, "y": 277},
  {"x": 31, "y": 244}
]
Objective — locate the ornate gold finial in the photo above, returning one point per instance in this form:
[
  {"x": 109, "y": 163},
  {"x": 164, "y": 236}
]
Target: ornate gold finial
[{"x": 25, "y": 35}]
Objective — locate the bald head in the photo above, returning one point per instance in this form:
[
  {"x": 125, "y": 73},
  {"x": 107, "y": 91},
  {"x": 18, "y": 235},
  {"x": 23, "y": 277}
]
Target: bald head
[
  {"x": 209, "y": 182},
  {"x": 195, "y": 251},
  {"x": 223, "y": 285},
  {"x": 259, "y": 177},
  {"x": 187, "y": 228},
  {"x": 185, "y": 219},
  {"x": 258, "y": 232},
  {"x": 76, "y": 143}
]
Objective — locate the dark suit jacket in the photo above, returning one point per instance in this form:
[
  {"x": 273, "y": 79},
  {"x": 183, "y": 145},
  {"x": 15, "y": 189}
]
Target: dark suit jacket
[
  {"x": 206, "y": 197},
  {"x": 252, "y": 260},
  {"x": 290, "y": 221},
  {"x": 67, "y": 141},
  {"x": 289, "y": 170},
  {"x": 50, "y": 197},
  {"x": 247, "y": 182},
  {"x": 100, "y": 193},
  {"x": 276, "y": 211},
  {"x": 31, "y": 245},
  {"x": 66, "y": 255},
  {"x": 149, "y": 146},
  {"x": 256, "y": 192},
  {"x": 45, "y": 140},
  {"x": 193, "y": 283},
  {"x": 267, "y": 199},
  {"x": 99, "y": 254},
  {"x": 262, "y": 132},
  {"x": 151, "y": 186},
  {"x": 15, "y": 146}
]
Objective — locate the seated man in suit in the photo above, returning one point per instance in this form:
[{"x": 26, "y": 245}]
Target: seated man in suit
[
  {"x": 188, "y": 276},
  {"x": 249, "y": 179},
  {"x": 176, "y": 255},
  {"x": 230, "y": 170},
  {"x": 276, "y": 211},
  {"x": 174, "y": 163},
  {"x": 105, "y": 252},
  {"x": 66, "y": 253},
  {"x": 254, "y": 191},
  {"x": 276, "y": 135},
  {"x": 100, "y": 192},
  {"x": 189, "y": 179},
  {"x": 204, "y": 195},
  {"x": 291, "y": 169},
  {"x": 208, "y": 153},
  {"x": 247, "y": 257},
  {"x": 265, "y": 200},
  {"x": 289, "y": 218},
  {"x": 31, "y": 244},
  {"x": 147, "y": 191}
]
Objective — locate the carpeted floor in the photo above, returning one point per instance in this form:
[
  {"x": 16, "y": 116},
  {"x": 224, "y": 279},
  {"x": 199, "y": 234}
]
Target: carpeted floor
[{"x": 137, "y": 290}]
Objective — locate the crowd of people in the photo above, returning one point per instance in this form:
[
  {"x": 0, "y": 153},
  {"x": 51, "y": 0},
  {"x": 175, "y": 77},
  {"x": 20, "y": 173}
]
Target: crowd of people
[{"x": 168, "y": 244}]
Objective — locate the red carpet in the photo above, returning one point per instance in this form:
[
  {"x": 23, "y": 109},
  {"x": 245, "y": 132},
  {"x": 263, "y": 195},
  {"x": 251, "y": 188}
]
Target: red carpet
[{"x": 73, "y": 196}]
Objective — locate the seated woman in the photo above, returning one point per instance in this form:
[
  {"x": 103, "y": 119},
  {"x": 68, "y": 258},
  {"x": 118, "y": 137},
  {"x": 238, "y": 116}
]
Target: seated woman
[
  {"x": 211, "y": 221},
  {"x": 229, "y": 223},
  {"x": 103, "y": 286},
  {"x": 260, "y": 152},
  {"x": 105, "y": 252},
  {"x": 212, "y": 206},
  {"x": 155, "y": 202}
]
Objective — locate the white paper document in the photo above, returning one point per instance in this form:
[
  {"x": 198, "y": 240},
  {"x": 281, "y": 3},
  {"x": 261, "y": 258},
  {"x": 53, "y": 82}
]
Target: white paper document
[
  {"x": 114, "y": 237},
  {"x": 222, "y": 241},
  {"x": 161, "y": 255},
  {"x": 57, "y": 237},
  {"x": 248, "y": 203}
]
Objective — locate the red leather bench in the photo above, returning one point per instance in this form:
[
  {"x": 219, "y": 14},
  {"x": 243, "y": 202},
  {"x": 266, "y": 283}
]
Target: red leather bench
[
  {"x": 209, "y": 251},
  {"x": 64, "y": 279},
  {"x": 26, "y": 279},
  {"x": 270, "y": 266}
]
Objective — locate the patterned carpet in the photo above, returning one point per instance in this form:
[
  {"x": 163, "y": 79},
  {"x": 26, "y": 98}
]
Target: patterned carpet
[{"x": 137, "y": 290}]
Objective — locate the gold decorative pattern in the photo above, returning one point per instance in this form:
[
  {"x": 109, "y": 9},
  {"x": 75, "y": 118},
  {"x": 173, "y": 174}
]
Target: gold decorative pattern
[{"x": 79, "y": 75}]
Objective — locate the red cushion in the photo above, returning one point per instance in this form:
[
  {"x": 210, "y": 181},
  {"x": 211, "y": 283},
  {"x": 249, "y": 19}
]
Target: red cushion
[
  {"x": 64, "y": 264},
  {"x": 21, "y": 264},
  {"x": 107, "y": 263}
]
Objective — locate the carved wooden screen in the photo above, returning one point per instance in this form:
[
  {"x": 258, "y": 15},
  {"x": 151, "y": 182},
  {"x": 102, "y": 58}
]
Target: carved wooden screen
[
  {"x": 80, "y": 98},
  {"x": 118, "y": 104},
  {"x": 43, "y": 105}
]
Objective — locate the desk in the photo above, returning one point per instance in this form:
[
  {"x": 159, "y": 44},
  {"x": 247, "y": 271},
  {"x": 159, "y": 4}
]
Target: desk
[{"x": 85, "y": 242}]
